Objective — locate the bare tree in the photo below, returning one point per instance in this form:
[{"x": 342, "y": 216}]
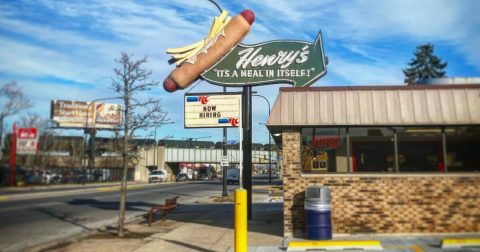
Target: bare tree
[
  {"x": 130, "y": 80},
  {"x": 34, "y": 120},
  {"x": 12, "y": 100}
]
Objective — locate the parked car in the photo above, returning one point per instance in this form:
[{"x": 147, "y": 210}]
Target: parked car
[
  {"x": 203, "y": 176},
  {"x": 182, "y": 177},
  {"x": 233, "y": 176},
  {"x": 49, "y": 177},
  {"x": 157, "y": 176}
]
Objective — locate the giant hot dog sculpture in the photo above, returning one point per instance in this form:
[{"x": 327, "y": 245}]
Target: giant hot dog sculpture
[{"x": 193, "y": 60}]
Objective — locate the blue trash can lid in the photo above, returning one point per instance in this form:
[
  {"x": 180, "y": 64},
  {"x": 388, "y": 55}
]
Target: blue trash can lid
[
  {"x": 318, "y": 193},
  {"x": 317, "y": 206}
]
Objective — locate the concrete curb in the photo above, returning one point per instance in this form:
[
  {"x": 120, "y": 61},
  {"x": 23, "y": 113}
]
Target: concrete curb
[{"x": 80, "y": 190}]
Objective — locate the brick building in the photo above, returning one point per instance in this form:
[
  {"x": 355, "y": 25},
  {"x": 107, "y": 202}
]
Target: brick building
[{"x": 398, "y": 159}]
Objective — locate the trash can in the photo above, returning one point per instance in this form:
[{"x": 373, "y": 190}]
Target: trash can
[{"x": 318, "y": 213}]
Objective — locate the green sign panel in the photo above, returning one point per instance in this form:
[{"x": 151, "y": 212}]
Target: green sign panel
[{"x": 285, "y": 61}]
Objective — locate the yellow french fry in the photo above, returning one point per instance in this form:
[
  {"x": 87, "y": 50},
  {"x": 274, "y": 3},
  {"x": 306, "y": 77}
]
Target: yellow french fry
[
  {"x": 187, "y": 53},
  {"x": 186, "y": 48},
  {"x": 191, "y": 53},
  {"x": 227, "y": 20}
]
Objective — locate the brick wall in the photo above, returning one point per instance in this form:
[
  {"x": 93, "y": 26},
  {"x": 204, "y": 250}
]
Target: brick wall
[{"x": 382, "y": 203}]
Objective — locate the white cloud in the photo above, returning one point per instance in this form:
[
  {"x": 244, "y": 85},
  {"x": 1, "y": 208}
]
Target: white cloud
[
  {"x": 361, "y": 22},
  {"x": 356, "y": 73},
  {"x": 28, "y": 60},
  {"x": 426, "y": 19}
]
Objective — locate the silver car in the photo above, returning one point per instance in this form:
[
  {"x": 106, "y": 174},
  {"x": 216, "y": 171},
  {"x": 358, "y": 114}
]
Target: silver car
[{"x": 157, "y": 176}]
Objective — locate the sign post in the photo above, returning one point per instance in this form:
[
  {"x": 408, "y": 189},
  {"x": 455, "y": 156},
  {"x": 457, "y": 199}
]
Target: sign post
[{"x": 247, "y": 146}]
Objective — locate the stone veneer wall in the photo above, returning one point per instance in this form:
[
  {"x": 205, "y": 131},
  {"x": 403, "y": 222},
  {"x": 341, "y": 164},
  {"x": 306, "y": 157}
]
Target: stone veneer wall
[{"x": 382, "y": 203}]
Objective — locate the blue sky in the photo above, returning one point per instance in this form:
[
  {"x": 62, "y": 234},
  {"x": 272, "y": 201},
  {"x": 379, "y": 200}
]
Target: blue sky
[{"x": 66, "y": 49}]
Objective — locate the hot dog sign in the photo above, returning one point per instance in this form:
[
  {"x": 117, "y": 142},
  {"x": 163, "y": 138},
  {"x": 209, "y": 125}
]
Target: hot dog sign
[{"x": 221, "y": 59}]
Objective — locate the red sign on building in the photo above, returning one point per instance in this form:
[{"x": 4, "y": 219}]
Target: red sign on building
[
  {"x": 27, "y": 141},
  {"x": 327, "y": 142}
]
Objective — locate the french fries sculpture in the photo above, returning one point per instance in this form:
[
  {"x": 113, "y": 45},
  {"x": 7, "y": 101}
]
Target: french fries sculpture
[{"x": 194, "y": 59}]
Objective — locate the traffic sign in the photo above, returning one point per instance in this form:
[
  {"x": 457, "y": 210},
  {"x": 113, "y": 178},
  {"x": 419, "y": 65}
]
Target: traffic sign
[{"x": 224, "y": 161}]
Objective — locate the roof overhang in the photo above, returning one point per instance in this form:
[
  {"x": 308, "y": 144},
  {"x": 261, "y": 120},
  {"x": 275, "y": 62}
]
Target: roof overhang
[{"x": 343, "y": 106}]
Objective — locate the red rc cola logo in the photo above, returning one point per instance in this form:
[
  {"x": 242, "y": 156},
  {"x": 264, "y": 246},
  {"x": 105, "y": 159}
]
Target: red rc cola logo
[
  {"x": 233, "y": 121},
  {"x": 203, "y": 99}
]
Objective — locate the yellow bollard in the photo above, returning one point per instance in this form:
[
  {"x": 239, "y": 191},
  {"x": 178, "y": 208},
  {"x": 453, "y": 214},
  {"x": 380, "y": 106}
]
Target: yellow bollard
[{"x": 241, "y": 243}]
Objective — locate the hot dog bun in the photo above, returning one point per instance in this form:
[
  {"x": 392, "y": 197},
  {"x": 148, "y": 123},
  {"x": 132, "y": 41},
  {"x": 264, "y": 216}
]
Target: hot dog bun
[{"x": 186, "y": 73}]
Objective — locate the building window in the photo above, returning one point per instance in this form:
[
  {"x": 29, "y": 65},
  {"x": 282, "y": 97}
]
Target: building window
[
  {"x": 463, "y": 145},
  {"x": 420, "y": 149},
  {"x": 324, "y": 150},
  {"x": 372, "y": 149}
]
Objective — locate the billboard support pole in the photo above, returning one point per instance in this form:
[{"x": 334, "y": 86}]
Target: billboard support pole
[
  {"x": 91, "y": 158},
  {"x": 247, "y": 145}
]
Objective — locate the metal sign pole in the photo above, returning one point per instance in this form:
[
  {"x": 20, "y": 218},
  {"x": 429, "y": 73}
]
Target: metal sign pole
[
  {"x": 247, "y": 143},
  {"x": 240, "y": 141},
  {"x": 224, "y": 168}
]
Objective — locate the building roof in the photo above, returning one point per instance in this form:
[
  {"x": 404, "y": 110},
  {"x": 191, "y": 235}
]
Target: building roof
[{"x": 377, "y": 105}]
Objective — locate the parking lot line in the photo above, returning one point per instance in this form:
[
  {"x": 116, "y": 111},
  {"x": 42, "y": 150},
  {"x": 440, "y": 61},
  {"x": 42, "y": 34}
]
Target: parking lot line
[
  {"x": 461, "y": 242},
  {"x": 334, "y": 245}
]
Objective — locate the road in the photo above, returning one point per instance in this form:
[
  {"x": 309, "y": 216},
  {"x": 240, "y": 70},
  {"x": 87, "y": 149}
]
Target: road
[{"x": 53, "y": 216}]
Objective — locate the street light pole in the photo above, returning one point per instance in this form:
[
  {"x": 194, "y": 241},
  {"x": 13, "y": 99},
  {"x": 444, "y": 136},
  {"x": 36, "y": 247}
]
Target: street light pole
[
  {"x": 155, "y": 157},
  {"x": 269, "y": 143}
]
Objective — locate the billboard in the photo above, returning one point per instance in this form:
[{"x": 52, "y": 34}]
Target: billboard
[
  {"x": 78, "y": 114},
  {"x": 108, "y": 114},
  {"x": 212, "y": 110},
  {"x": 27, "y": 141}
]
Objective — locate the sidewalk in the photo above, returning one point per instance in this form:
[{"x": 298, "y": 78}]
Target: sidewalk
[
  {"x": 207, "y": 225},
  {"x": 203, "y": 226}
]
